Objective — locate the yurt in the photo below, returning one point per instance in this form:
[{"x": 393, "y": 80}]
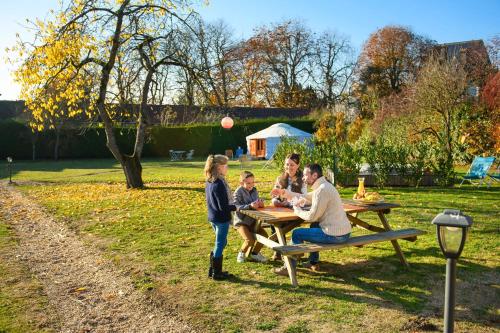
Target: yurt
[{"x": 263, "y": 143}]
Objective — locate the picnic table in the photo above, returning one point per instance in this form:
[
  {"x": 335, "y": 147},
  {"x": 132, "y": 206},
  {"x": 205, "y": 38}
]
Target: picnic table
[{"x": 284, "y": 220}]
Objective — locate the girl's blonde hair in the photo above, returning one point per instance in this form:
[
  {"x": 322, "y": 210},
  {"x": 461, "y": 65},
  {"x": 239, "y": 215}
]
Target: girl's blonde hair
[{"x": 213, "y": 161}]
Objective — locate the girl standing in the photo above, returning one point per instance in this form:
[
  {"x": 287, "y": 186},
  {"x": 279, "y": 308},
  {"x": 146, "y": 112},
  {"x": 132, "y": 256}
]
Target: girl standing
[{"x": 220, "y": 205}]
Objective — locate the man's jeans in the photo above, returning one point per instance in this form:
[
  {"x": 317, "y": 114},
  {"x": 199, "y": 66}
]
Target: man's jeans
[
  {"x": 316, "y": 235},
  {"x": 221, "y": 229}
]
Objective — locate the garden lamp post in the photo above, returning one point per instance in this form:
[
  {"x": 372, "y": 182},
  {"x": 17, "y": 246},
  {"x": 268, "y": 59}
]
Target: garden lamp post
[
  {"x": 452, "y": 228},
  {"x": 9, "y": 166}
]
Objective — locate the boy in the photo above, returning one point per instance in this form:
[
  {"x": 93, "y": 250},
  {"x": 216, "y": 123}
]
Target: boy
[{"x": 247, "y": 197}]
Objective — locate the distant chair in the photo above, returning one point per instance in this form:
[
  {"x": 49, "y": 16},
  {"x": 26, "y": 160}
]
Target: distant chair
[
  {"x": 478, "y": 170},
  {"x": 189, "y": 155},
  {"x": 172, "y": 155},
  {"x": 244, "y": 161}
]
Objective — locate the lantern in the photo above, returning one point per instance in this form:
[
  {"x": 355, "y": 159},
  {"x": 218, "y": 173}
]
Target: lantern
[
  {"x": 452, "y": 227},
  {"x": 227, "y": 122},
  {"x": 9, "y": 166}
]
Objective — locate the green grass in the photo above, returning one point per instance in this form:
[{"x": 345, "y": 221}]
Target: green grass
[{"x": 161, "y": 235}]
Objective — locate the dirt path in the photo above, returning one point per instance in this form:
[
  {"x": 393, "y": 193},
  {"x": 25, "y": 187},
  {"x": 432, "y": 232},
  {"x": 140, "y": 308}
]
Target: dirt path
[{"x": 88, "y": 291}]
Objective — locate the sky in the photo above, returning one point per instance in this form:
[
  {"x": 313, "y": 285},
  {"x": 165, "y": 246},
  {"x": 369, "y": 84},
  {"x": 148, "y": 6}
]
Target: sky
[{"x": 444, "y": 21}]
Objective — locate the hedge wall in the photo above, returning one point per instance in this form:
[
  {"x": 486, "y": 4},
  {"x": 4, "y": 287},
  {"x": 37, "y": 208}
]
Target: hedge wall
[{"x": 16, "y": 139}]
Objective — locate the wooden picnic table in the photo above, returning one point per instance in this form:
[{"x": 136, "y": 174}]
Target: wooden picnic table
[{"x": 284, "y": 220}]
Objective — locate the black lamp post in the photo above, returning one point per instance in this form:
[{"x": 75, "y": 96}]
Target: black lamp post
[
  {"x": 452, "y": 228},
  {"x": 9, "y": 166}
]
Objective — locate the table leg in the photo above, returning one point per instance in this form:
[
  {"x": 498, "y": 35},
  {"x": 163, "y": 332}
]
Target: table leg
[
  {"x": 256, "y": 227},
  {"x": 288, "y": 261},
  {"x": 395, "y": 243}
]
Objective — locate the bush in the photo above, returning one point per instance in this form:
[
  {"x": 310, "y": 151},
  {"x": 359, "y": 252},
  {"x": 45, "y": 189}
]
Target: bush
[
  {"x": 341, "y": 159},
  {"x": 16, "y": 139}
]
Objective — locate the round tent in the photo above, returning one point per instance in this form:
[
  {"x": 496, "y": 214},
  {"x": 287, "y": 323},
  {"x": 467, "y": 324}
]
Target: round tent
[{"x": 263, "y": 143}]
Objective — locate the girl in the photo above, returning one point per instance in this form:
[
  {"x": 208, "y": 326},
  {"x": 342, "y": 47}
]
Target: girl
[{"x": 220, "y": 205}]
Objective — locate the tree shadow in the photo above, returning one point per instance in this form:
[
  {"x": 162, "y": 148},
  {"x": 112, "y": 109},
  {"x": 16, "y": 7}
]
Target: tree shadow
[{"x": 384, "y": 282}]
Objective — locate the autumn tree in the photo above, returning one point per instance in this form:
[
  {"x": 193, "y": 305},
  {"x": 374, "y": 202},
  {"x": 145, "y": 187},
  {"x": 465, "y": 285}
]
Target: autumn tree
[
  {"x": 439, "y": 96},
  {"x": 85, "y": 40},
  {"x": 390, "y": 59},
  {"x": 490, "y": 97},
  {"x": 477, "y": 63},
  {"x": 253, "y": 80}
]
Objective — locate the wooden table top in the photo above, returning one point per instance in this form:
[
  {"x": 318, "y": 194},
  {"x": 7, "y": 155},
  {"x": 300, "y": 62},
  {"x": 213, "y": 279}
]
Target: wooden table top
[{"x": 273, "y": 214}]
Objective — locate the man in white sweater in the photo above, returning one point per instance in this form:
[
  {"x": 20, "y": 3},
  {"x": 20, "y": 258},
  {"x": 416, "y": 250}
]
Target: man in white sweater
[{"x": 326, "y": 209}]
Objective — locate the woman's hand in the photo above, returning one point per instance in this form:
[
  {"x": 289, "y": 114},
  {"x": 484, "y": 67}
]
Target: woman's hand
[
  {"x": 277, "y": 192},
  {"x": 277, "y": 203},
  {"x": 282, "y": 193}
]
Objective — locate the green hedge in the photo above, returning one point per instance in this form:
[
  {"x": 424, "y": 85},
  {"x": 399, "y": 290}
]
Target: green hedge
[{"x": 16, "y": 139}]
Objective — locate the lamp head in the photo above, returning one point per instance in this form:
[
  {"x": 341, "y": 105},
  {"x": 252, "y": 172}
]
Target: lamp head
[
  {"x": 9, "y": 159},
  {"x": 227, "y": 122},
  {"x": 452, "y": 226}
]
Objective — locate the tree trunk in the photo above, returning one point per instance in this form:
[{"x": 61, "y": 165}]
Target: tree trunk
[
  {"x": 56, "y": 146},
  {"x": 133, "y": 171},
  {"x": 34, "y": 137}
]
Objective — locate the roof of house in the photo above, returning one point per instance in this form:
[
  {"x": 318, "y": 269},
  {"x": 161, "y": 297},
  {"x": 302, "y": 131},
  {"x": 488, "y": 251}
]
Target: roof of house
[{"x": 455, "y": 49}]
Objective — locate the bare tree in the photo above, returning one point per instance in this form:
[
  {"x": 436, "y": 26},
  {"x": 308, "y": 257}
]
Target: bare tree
[
  {"x": 286, "y": 48},
  {"x": 439, "y": 92},
  {"x": 333, "y": 67}
]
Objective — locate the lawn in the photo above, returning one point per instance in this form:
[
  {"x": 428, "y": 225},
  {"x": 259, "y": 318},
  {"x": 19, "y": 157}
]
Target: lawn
[{"x": 160, "y": 235}]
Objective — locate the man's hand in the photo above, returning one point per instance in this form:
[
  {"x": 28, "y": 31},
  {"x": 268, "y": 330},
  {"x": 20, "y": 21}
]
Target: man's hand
[
  {"x": 255, "y": 204},
  {"x": 298, "y": 202}
]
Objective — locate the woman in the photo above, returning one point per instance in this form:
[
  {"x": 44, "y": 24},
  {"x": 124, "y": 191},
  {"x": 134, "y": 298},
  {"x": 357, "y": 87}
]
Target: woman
[
  {"x": 291, "y": 180},
  {"x": 220, "y": 204}
]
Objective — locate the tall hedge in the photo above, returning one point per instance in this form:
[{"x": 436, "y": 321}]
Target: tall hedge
[{"x": 16, "y": 139}]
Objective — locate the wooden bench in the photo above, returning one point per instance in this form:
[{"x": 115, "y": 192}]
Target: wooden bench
[
  {"x": 408, "y": 234},
  {"x": 284, "y": 220}
]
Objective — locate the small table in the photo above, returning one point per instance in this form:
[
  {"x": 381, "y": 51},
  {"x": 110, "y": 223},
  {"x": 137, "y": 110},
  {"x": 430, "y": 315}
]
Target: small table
[
  {"x": 176, "y": 155},
  {"x": 284, "y": 220}
]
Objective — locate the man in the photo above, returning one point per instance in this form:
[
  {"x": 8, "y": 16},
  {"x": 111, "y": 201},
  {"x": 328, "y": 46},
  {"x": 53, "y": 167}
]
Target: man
[{"x": 326, "y": 208}]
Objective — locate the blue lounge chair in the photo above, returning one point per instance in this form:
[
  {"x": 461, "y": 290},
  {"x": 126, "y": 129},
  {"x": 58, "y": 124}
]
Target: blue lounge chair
[{"x": 478, "y": 170}]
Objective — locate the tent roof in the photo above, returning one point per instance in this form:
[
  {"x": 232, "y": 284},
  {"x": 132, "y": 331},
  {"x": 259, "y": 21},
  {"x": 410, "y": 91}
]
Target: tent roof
[{"x": 278, "y": 130}]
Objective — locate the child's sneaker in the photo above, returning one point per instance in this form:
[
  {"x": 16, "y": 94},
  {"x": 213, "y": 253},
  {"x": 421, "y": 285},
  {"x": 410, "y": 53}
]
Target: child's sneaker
[
  {"x": 258, "y": 257},
  {"x": 241, "y": 257}
]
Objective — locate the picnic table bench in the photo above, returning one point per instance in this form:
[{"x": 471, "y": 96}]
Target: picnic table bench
[{"x": 284, "y": 220}]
